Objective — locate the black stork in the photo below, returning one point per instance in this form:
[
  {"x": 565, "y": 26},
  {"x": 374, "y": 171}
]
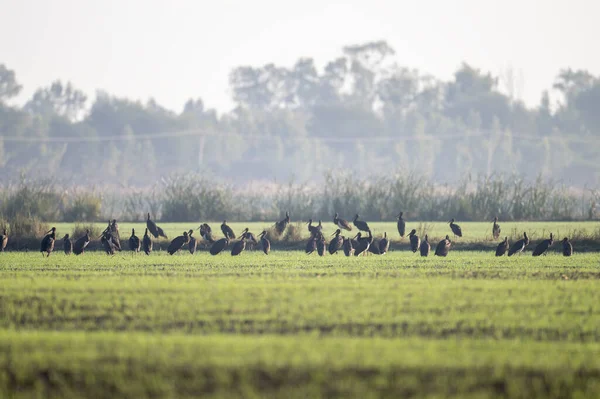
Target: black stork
[
  {"x": 336, "y": 242},
  {"x": 363, "y": 243},
  {"x": 321, "y": 244},
  {"x": 219, "y": 246},
  {"x": 443, "y": 247},
  {"x": 401, "y": 225},
  {"x": 567, "y": 247},
  {"x": 47, "y": 244},
  {"x": 543, "y": 246},
  {"x": 314, "y": 230},
  {"x": 147, "y": 243},
  {"x": 424, "y": 248},
  {"x": 81, "y": 243},
  {"x": 282, "y": 224},
  {"x": 67, "y": 245},
  {"x": 519, "y": 246},
  {"x": 502, "y": 247},
  {"x": 134, "y": 242},
  {"x": 341, "y": 223},
  {"x": 384, "y": 244},
  {"x": 239, "y": 246},
  {"x": 178, "y": 242},
  {"x": 415, "y": 241},
  {"x": 154, "y": 229},
  {"x": 348, "y": 247},
  {"x": 206, "y": 233},
  {"x": 455, "y": 228},
  {"x": 3, "y": 240},
  {"x": 495, "y": 228},
  {"x": 311, "y": 244},
  {"x": 192, "y": 243},
  {"x": 360, "y": 224},
  {"x": 250, "y": 238},
  {"x": 264, "y": 242},
  {"x": 227, "y": 231},
  {"x": 107, "y": 242}
]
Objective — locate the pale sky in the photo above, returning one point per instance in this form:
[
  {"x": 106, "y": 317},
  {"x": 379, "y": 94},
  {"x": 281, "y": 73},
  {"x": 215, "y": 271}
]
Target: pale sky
[{"x": 173, "y": 50}]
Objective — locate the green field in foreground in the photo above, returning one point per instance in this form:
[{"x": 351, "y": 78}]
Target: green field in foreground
[{"x": 292, "y": 325}]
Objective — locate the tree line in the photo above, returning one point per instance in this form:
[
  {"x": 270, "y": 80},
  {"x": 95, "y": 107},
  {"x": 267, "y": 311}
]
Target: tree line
[{"x": 362, "y": 113}]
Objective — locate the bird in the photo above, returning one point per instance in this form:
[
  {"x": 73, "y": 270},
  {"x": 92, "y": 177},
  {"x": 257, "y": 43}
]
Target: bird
[
  {"x": 361, "y": 225},
  {"x": 502, "y": 247},
  {"x": 336, "y": 242},
  {"x": 424, "y": 248},
  {"x": 348, "y": 248},
  {"x": 363, "y": 243},
  {"x": 341, "y": 223},
  {"x": 178, "y": 242},
  {"x": 443, "y": 247},
  {"x": 384, "y": 244},
  {"x": 455, "y": 228},
  {"x": 495, "y": 228},
  {"x": 543, "y": 246},
  {"x": 147, "y": 243},
  {"x": 314, "y": 230},
  {"x": 206, "y": 233},
  {"x": 219, "y": 246},
  {"x": 311, "y": 244},
  {"x": 401, "y": 225},
  {"x": 47, "y": 244},
  {"x": 154, "y": 229},
  {"x": 108, "y": 243},
  {"x": 519, "y": 246},
  {"x": 264, "y": 242},
  {"x": 134, "y": 242},
  {"x": 67, "y": 245},
  {"x": 251, "y": 238},
  {"x": 81, "y": 243},
  {"x": 567, "y": 247},
  {"x": 239, "y": 246},
  {"x": 113, "y": 229},
  {"x": 415, "y": 241},
  {"x": 282, "y": 224},
  {"x": 227, "y": 231},
  {"x": 320, "y": 244},
  {"x": 192, "y": 243},
  {"x": 3, "y": 240}
]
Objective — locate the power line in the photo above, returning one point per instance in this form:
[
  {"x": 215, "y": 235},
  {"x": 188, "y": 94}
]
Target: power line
[{"x": 325, "y": 139}]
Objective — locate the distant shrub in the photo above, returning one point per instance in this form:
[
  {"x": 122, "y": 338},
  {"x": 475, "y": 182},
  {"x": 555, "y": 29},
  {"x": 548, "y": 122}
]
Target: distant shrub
[
  {"x": 80, "y": 229},
  {"x": 187, "y": 198},
  {"x": 32, "y": 199},
  {"x": 27, "y": 227},
  {"x": 293, "y": 232},
  {"x": 83, "y": 207}
]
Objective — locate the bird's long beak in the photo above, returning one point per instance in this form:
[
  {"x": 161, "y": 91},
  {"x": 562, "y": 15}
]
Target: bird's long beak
[{"x": 333, "y": 234}]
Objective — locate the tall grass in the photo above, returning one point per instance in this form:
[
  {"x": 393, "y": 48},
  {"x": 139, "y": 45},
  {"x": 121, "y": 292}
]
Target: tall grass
[{"x": 378, "y": 198}]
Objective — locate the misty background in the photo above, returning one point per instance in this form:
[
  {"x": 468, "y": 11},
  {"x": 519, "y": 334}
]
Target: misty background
[{"x": 436, "y": 94}]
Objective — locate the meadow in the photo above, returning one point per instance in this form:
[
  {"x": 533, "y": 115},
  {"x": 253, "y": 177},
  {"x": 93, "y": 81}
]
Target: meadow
[{"x": 296, "y": 325}]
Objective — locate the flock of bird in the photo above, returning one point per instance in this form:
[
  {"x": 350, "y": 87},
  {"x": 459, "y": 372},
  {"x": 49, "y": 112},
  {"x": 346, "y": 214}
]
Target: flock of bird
[{"x": 357, "y": 245}]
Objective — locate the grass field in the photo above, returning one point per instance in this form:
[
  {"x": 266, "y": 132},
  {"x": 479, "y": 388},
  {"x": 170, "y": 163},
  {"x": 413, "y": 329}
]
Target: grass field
[{"x": 292, "y": 325}]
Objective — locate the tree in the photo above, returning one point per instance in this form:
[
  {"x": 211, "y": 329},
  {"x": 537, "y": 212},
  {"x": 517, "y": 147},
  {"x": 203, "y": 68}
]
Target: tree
[
  {"x": 9, "y": 87},
  {"x": 58, "y": 99}
]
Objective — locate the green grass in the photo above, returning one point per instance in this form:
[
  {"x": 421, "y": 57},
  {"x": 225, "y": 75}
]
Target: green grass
[{"x": 292, "y": 325}]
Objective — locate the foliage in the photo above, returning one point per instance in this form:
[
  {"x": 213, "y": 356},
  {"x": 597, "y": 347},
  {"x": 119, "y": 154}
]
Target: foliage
[
  {"x": 25, "y": 227},
  {"x": 83, "y": 207},
  {"x": 361, "y": 112},
  {"x": 80, "y": 229}
]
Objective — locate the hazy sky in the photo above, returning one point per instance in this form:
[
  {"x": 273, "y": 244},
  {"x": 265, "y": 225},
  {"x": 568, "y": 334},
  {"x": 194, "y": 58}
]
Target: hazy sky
[{"x": 176, "y": 49}]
